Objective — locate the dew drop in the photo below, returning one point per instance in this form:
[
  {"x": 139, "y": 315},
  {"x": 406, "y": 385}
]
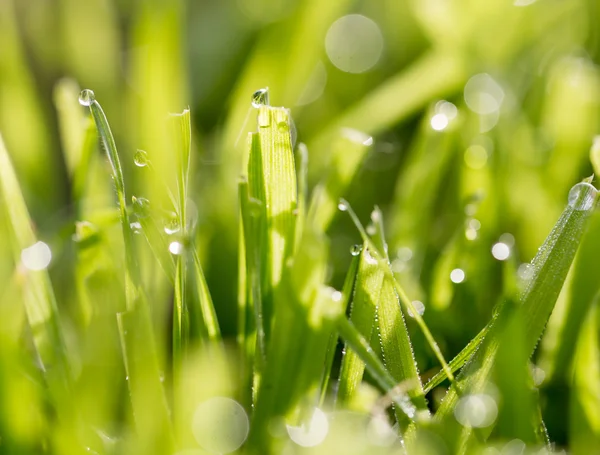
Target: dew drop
[
  {"x": 525, "y": 271},
  {"x": 582, "y": 196},
  {"x": 87, "y": 97},
  {"x": 419, "y": 307},
  {"x": 141, "y": 206},
  {"x": 343, "y": 205},
  {"x": 260, "y": 97},
  {"x": 283, "y": 126},
  {"x": 136, "y": 227},
  {"x": 355, "y": 250},
  {"x": 140, "y": 158},
  {"x": 172, "y": 225}
]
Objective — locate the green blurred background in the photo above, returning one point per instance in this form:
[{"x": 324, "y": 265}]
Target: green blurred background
[{"x": 522, "y": 90}]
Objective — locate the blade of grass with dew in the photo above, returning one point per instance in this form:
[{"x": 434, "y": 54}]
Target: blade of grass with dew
[
  {"x": 137, "y": 338},
  {"x": 584, "y": 422},
  {"x": 363, "y": 308},
  {"x": 406, "y": 302},
  {"x": 549, "y": 269},
  {"x": 347, "y": 153},
  {"x": 396, "y": 346},
  {"x": 39, "y": 302},
  {"x": 347, "y": 292},
  {"x": 557, "y": 356},
  {"x": 517, "y": 406}
]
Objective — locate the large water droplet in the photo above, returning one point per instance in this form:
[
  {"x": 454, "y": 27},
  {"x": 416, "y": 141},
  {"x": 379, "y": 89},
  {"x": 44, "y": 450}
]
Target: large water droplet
[
  {"x": 172, "y": 224},
  {"x": 260, "y": 97},
  {"x": 140, "y": 158},
  {"x": 141, "y": 206},
  {"x": 582, "y": 196},
  {"x": 343, "y": 205},
  {"x": 355, "y": 250},
  {"x": 86, "y": 97},
  {"x": 419, "y": 306}
]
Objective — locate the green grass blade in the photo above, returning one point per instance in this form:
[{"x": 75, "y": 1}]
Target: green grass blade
[
  {"x": 549, "y": 269},
  {"x": 87, "y": 98},
  {"x": 584, "y": 424},
  {"x": 347, "y": 292},
  {"x": 362, "y": 314},
  {"x": 39, "y": 300}
]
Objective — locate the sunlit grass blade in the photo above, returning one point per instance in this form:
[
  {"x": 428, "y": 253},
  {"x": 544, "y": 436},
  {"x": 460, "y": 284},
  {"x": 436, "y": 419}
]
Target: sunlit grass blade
[
  {"x": 406, "y": 302},
  {"x": 548, "y": 271},
  {"x": 396, "y": 346},
  {"x": 363, "y": 308},
  {"x": 348, "y": 152},
  {"x": 39, "y": 300},
  {"x": 347, "y": 293},
  {"x": 584, "y": 422},
  {"x": 207, "y": 308}
]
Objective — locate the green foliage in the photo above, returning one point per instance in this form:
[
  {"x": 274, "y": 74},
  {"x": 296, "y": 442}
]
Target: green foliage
[{"x": 199, "y": 282}]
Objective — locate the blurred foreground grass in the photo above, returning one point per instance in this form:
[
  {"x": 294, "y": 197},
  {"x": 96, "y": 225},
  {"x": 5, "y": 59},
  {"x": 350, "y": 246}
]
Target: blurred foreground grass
[{"x": 197, "y": 311}]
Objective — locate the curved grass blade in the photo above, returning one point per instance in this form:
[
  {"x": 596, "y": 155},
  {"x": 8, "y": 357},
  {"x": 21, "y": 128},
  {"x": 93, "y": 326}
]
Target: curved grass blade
[
  {"x": 584, "y": 427},
  {"x": 549, "y": 270}
]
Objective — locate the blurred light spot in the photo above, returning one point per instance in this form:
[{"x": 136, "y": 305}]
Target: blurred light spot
[
  {"x": 446, "y": 108},
  {"x": 501, "y": 251},
  {"x": 343, "y": 206},
  {"x": 354, "y": 43},
  {"x": 176, "y": 247},
  {"x": 439, "y": 122},
  {"x": 476, "y": 157},
  {"x": 398, "y": 266},
  {"x": 474, "y": 223},
  {"x": 371, "y": 229},
  {"x": 538, "y": 375},
  {"x": 312, "y": 434},
  {"x": 483, "y": 94},
  {"x": 478, "y": 410},
  {"x": 514, "y": 447},
  {"x": 315, "y": 85},
  {"x": 357, "y": 136},
  {"x": 524, "y": 2},
  {"x": 37, "y": 256},
  {"x": 220, "y": 425},
  {"x": 457, "y": 276},
  {"x": 507, "y": 238},
  {"x": 488, "y": 121},
  {"x": 471, "y": 234},
  {"x": 136, "y": 227},
  {"x": 525, "y": 271},
  {"x": 380, "y": 432},
  {"x": 336, "y": 296},
  {"x": 404, "y": 253},
  {"x": 419, "y": 306}
]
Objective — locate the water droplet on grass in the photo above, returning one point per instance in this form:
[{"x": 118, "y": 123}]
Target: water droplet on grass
[
  {"x": 343, "y": 205},
  {"x": 260, "y": 97},
  {"x": 582, "y": 196},
  {"x": 283, "y": 126},
  {"x": 419, "y": 307},
  {"x": 172, "y": 225},
  {"x": 136, "y": 227},
  {"x": 355, "y": 250},
  {"x": 87, "y": 97},
  {"x": 140, "y": 158}
]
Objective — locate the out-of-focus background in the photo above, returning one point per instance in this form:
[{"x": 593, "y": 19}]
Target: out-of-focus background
[{"x": 482, "y": 115}]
